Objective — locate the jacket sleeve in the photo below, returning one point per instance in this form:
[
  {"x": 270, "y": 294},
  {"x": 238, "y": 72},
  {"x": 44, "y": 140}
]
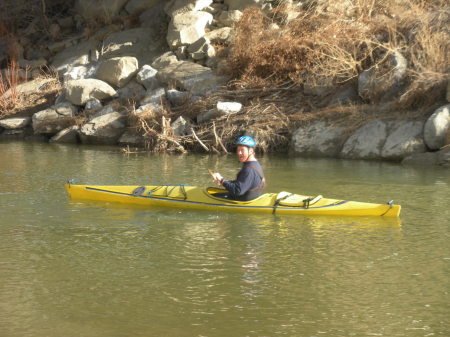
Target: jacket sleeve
[{"x": 242, "y": 183}]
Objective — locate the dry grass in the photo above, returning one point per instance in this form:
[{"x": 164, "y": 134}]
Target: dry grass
[
  {"x": 9, "y": 97},
  {"x": 329, "y": 48}
]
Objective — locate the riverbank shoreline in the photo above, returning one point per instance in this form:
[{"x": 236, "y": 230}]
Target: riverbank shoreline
[{"x": 192, "y": 76}]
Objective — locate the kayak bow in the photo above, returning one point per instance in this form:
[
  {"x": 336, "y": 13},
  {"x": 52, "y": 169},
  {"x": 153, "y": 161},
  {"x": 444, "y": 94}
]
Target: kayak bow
[{"x": 193, "y": 197}]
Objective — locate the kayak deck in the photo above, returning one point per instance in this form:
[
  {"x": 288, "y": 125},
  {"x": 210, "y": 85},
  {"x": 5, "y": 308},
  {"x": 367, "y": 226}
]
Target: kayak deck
[{"x": 193, "y": 197}]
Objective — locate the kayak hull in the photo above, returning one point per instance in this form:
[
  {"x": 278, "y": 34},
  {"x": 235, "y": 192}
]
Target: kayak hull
[{"x": 192, "y": 197}]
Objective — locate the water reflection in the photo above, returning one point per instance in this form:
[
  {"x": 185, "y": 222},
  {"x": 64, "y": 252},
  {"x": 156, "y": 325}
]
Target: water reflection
[{"x": 91, "y": 269}]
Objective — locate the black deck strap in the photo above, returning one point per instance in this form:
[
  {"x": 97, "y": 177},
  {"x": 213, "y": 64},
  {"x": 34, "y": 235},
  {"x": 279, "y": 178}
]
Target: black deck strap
[
  {"x": 182, "y": 189},
  {"x": 391, "y": 204},
  {"x": 277, "y": 202},
  {"x": 311, "y": 201},
  {"x": 138, "y": 191}
]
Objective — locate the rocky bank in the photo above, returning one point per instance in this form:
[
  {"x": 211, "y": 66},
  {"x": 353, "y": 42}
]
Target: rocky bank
[{"x": 166, "y": 54}]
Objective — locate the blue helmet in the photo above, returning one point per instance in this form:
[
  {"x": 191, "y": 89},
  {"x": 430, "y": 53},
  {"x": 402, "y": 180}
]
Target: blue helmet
[{"x": 246, "y": 141}]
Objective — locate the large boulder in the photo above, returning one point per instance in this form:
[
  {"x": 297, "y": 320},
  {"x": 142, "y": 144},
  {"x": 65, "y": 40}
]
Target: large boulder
[
  {"x": 133, "y": 90},
  {"x": 164, "y": 60},
  {"x": 142, "y": 43},
  {"x": 30, "y": 87},
  {"x": 15, "y": 123},
  {"x": 201, "y": 49},
  {"x": 421, "y": 159},
  {"x": 54, "y": 119},
  {"x": 75, "y": 55},
  {"x": 229, "y": 18},
  {"x": 443, "y": 158},
  {"x": 138, "y": 6},
  {"x": 176, "y": 97},
  {"x": 192, "y": 77},
  {"x": 105, "y": 129},
  {"x": 103, "y": 10},
  {"x": 318, "y": 139},
  {"x": 147, "y": 77},
  {"x": 175, "y": 7},
  {"x": 220, "y": 35},
  {"x": 405, "y": 138},
  {"x": 186, "y": 28},
  {"x": 78, "y": 92},
  {"x": 68, "y": 135},
  {"x": 367, "y": 142},
  {"x": 375, "y": 86},
  {"x": 130, "y": 138},
  {"x": 117, "y": 71},
  {"x": 155, "y": 19},
  {"x": 242, "y": 4},
  {"x": 437, "y": 128}
]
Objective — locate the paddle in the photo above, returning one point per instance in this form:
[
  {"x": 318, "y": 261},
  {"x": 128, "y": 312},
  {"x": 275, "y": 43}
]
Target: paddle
[{"x": 214, "y": 175}]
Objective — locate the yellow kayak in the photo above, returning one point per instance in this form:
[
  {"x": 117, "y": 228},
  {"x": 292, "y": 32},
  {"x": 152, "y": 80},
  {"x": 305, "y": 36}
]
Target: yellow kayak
[{"x": 193, "y": 197}]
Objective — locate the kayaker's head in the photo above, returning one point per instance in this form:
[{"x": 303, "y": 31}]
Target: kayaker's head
[{"x": 245, "y": 148}]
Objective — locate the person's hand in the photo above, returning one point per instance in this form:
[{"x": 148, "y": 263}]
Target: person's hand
[{"x": 218, "y": 178}]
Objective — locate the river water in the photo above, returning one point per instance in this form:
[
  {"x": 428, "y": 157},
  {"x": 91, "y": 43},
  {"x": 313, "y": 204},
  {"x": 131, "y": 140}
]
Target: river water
[{"x": 86, "y": 269}]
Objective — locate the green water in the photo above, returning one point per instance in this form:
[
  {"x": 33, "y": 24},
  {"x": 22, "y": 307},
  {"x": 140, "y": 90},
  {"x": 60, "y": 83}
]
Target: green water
[{"x": 83, "y": 269}]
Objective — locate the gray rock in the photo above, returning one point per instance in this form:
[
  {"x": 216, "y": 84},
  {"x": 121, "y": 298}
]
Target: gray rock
[
  {"x": 318, "y": 139},
  {"x": 131, "y": 139},
  {"x": 105, "y": 129},
  {"x": 143, "y": 43},
  {"x": 229, "y": 18},
  {"x": 164, "y": 60},
  {"x": 99, "y": 9},
  {"x": 79, "y": 92},
  {"x": 421, "y": 159},
  {"x": 374, "y": 87},
  {"x": 103, "y": 111},
  {"x": 155, "y": 96},
  {"x": 405, "y": 138},
  {"x": 242, "y": 4},
  {"x": 54, "y": 119},
  {"x": 176, "y": 7},
  {"x": 176, "y": 97},
  {"x": 30, "y": 87},
  {"x": 138, "y": 6},
  {"x": 443, "y": 158},
  {"x": 73, "y": 56},
  {"x": 207, "y": 115},
  {"x": 15, "y": 123},
  {"x": 345, "y": 96},
  {"x": 132, "y": 90},
  {"x": 155, "y": 19},
  {"x": 68, "y": 135},
  {"x": 367, "y": 142},
  {"x": 181, "y": 127},
  {"x": 79, "y": 72},
  {"x": 220, "y": 35},
  {"x": 117, "y": 71},
  {"x": 192, "y": 77},
  {"x": 147, "y": 77},
  {"x": 437, "y": 128},
  {"x": 93, "y": 103},
  {"x": 225, "y": 108},
  {"x": 201, "y": 49},
  {"x": 186, "y": 28},
  {"x": 33, "y": 64}
]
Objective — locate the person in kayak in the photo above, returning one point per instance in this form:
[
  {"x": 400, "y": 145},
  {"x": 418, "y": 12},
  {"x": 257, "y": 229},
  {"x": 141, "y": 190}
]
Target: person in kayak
[{"x": 250, "y": 181}]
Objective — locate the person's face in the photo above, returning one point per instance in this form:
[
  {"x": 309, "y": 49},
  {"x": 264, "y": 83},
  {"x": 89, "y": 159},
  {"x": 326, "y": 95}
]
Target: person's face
[{"x": 243, "y": 152}]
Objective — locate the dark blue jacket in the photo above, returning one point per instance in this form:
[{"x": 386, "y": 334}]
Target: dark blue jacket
[{"x": 249, "y": 182}]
